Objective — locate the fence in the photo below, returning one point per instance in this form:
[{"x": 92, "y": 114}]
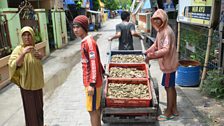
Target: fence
[
  {"x": 5, "y": 45},
  {"x": 193, "y": 45}
]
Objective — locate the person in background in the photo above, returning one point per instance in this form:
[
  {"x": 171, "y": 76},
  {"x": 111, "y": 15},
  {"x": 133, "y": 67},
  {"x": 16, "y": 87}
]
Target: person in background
[
  {"x": 91, "y": 67},
  {"x": 164, "y": 49},
  {"x": 124, "y": 31},
  {"x": 26, "y": 71}
]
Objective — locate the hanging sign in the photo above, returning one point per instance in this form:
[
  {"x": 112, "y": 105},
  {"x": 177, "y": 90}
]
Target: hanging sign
[
  {"x": 199, "y": 12},
  {"x": 168, "y": 5}
]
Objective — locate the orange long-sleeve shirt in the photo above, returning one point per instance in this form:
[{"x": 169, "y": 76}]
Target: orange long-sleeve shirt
[{"x": 91, "y": 64}]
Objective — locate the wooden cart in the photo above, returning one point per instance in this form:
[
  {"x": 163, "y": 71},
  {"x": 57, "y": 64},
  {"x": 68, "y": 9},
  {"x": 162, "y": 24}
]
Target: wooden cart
[{"x": 131, "y": 114}]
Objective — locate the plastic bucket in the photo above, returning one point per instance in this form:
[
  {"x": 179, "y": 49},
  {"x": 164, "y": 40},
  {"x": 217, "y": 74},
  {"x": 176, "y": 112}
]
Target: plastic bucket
[
  {"x": 91, "y": 27},
  {"x": 188, "y": 73}
]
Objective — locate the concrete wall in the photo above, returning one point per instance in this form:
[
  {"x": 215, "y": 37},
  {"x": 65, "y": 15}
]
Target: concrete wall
[
  {"x": 41, "y": 14},
  {"x": 3, "y": 4},
  {"x": 59, "y": 26},
  {"x": 64, "y": 28},
  {"x": 4, "y": 72}
]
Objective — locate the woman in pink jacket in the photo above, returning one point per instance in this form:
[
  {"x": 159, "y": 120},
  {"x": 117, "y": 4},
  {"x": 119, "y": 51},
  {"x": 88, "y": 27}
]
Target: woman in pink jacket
[{"x": 164, "y": 49}]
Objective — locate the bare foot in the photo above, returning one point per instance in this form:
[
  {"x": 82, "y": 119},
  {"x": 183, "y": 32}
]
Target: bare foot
[{"x": 175, "y": 112}]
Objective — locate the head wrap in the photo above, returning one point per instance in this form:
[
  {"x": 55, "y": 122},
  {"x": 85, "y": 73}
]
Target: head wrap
[
  {"x": 30, "y": 30},
  {"x": 81, "y": 20},
  {"x": 161, "y": 14}
]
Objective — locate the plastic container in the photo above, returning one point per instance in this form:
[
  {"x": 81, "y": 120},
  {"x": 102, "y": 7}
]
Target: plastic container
[
  {"x": 128, "y": 102},
  {"x": 126, "y": 52},
  {"x": 188, "y": 73},
  {"x": 142, "y": 67}
]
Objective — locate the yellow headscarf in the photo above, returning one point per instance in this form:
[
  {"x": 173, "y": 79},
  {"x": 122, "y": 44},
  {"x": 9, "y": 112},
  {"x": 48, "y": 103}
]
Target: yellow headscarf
[
  {"x": 30, "y": 30},
  {"x": 29, "y": 76}
]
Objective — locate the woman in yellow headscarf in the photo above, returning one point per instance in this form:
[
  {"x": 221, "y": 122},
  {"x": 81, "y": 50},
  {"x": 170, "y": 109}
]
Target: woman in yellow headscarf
[{"x": 26, "y": 71}]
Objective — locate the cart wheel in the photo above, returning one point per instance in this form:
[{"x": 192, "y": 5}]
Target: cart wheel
[{"x": 156, "y": 88}]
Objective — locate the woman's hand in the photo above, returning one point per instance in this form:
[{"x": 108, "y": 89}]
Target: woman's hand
[
  {"x": 19, "y": 60},
  {"x": 38, "y": 55},
  {"x": 28, "y": 49}
]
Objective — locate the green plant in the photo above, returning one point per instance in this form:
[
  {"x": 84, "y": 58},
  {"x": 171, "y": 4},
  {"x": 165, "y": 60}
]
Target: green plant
[
  {"x": 213, "y": 85},
  {"x": 37, "y": 37},
  {"x": 125, "y": 4},
  {"x": 193, "y": 57},
  {"x": 111, "y": 5},
  {"x": 96, "y": 5},
  {"x": 78, "y": 4},
  {"x": 197, "y": 37}
]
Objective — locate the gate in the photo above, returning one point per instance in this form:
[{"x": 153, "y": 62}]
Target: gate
[{"x": 5, "y": 45}]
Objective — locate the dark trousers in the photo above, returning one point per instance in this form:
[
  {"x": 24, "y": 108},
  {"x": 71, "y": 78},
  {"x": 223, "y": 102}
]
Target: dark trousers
[{"x": 33, "y": 107}]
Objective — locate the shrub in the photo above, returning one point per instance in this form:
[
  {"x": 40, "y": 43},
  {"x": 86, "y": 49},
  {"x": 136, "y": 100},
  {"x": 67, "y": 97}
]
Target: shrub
[{"x": 213, "y": 85}]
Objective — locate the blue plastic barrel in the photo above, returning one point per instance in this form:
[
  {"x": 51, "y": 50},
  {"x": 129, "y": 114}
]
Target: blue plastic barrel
[
  {"x": 188, "y": 73},
  {"x": 91, "y": 27}
]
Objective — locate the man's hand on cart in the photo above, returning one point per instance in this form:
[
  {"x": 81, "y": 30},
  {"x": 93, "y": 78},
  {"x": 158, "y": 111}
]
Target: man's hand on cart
[
  {"x": 149, "y": 56},
  {"x": 106, "y": 75},
  {"x": 109, "y": 45},
  {"x": 110, "y": 39},
  {"x": 104, "y": 72},
  {"x": 147, "y": 60},
  {"x": 90, "y": 89},
  {"x": 141, "y": 37}
]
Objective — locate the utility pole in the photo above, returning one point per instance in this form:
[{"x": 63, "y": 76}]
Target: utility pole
[
  {"x": 221, "y": 38},
  {"x": 132, "y": 5}
]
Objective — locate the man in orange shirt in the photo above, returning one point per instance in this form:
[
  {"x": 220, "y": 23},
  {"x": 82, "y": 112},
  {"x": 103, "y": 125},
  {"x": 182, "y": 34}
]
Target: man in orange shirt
[{"x": 92, "y": 68}]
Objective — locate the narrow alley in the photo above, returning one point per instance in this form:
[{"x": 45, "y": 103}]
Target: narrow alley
[
  {"x": 64, "y": 102},
  {"x": 41, "y": 53}
]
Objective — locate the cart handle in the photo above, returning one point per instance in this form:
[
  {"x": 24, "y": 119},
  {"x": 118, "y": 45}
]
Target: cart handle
[{"x": 109, "y": 47}]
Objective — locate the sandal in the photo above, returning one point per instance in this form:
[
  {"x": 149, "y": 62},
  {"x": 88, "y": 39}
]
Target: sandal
[
  {"x": 176, "y": 114},
  {"x": 164, "y": 118}
]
